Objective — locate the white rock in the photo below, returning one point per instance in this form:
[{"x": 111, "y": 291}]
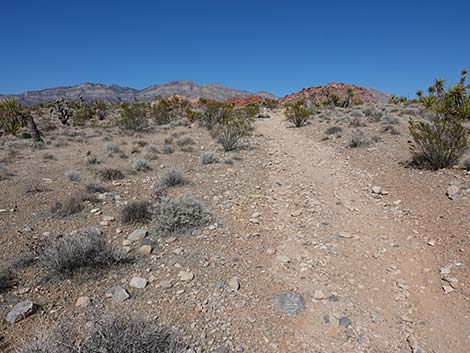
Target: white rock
[
  {"x": 186, "y": 276},
  {"x": 138, "y": 282}
]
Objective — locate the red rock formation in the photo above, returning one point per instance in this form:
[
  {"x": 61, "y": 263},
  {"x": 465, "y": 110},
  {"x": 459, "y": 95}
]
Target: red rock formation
[{"x": 320, "y": 93}]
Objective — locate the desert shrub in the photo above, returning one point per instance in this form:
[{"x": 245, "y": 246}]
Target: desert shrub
[
  {"x": 72, "y": 175},
  {"x": 297, "y": 113},
  {"x": 214, "y": 113},
  {"x": 95, "y": 188},
  {"x": 466, "y": 164},
  {"x": 168, "y": 149},
  {"x": 334, "y": 130},
  {"x": 179, "y": 215},
  {"x": 390, "y": 120},
  {"x": 111, "y": 174},
  {"x": 438, "y": 144},
  {"x": 140, "y": 143},
  {"x": 231, "y": 129},
  {"x": 86, "y": 248},
  {"x": 48, "y": 156},
  {"x": 135, "y": 212},
  {"x": 184, "y": 141},
  {"x": 7, "y": 280},
  {"x": 33, "y": 186},
  {"x": 106, "y": 333},
  {"x": 209, "y": 158},
  {"x": 357, "y": 122},
  {"x": 441, "y": 142},
  {"x": 373, "y": 114},
  {"x": 171, "y": 178},
  {"x": 392, "y": 130},
  {"x": 168, "y": 140},
  {"x": 3, "y": 172},
  {"x": 358, "y": 139},
  {"x": 141, "y": 165},
  {"x": 151, "y": 149},
  {"x": 161, "y": 112},
  {"x": 133, "y": 117},
  {"x": 113, "y": 148},
  {"x": 67, "y": 208}
]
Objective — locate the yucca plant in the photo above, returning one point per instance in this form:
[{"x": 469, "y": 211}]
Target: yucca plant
[
  {"x": 441, "y": 142},
  {"x": 13, "y": 117},
  {"x": 297, "y": 113}
]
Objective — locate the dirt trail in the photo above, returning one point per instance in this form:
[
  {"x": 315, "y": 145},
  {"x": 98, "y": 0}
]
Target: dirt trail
[{"x": 367, "y": 285}]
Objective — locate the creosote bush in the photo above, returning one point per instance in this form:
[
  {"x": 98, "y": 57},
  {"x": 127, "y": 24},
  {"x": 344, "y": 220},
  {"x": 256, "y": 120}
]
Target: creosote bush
[
  {"x": 180, "y": 215},
  {"x": 7, "y": 280},
  {"x": 136, "y": 212},
  {"x": 107, "y": 333},
  {"x": 172, "y": 178},
  {"x": 334, "y": 130},
  {"x": 67, "y": 208},
  {"x": 72, "y": 175},
  {"x": 141, "y": 165},
  {"x": 3, "y": 172},
  {"x": 358, "y": 139},
  {"x": 109, "y": 174},
  {"x": 168, "y": 149},
  {"x": 209, "y": 158},
  {"x": 86, "y": 248},
  {"x": 133, "y": 117}
]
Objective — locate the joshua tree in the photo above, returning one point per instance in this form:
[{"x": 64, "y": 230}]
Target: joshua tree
[
  {"x": 439, "y": 86},
  {"x": 419, "y": 94},
  {"x": 61, "y": 106},
  {"x": 431, "y": 90},
  {"x": 13, "y": 117},
  {"x": 463, "y": 76}
]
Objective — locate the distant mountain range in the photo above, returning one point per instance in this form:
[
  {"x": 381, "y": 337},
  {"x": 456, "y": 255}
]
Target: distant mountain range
[{"x": 115, "y": 93}]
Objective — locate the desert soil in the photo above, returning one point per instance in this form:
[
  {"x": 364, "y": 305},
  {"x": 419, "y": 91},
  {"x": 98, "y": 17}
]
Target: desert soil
[{"x": 293, "y": 214}]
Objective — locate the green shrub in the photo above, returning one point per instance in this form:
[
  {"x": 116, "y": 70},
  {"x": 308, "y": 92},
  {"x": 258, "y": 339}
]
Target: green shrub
[
  {"x": 297, "y": 113},
  {"x": 179, "y": 215},
  {"x": 109, "y": 174},
  {"x": 85, "y": 248},
  {"x": 106, "y": 333},
  {"x": 136, "y": 212},
  {"x": 438, "y": 144},
  {"x": 209, "y": 158},
  {"x": 172, "y": 178},
  {"x": 133, "y": 117},
  {"x": 67, "y": 208}
]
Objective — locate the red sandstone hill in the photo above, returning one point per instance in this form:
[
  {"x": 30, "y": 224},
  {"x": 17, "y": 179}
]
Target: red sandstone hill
[{"x": 321, "y": 93}]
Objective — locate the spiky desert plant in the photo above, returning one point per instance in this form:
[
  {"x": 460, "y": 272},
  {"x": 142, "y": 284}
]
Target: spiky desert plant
[
  {"x": 13, "y": 117},
  {"x": 439, "y": 86},
  {"x": 441, "y": 142},
  {"x": 297, "y": 113}
]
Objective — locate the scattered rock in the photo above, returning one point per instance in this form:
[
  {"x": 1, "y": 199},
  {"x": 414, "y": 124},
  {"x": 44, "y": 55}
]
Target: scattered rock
[
  {"x": 447, "y": 289},
  {"x": 290, "y": 303},
  {"x": 453, "y": 192},
  {"x": 21, "y": 311},
  {"x": 165, "y": 285},
  {"x": 318, "y": 295},
  {"x": 83, "y": 302},
  {"x": 377, "y": 190},
  {"x": 186, "y": 276},
  {"x": 234, "y": 283},
  {"x": 145, "y": 250},
  {"x": 344, "y": 321},
  {"x": 118, "y": 295},
  {"x": 137, "y": 235},
  {"x": 138, "y": 282}
]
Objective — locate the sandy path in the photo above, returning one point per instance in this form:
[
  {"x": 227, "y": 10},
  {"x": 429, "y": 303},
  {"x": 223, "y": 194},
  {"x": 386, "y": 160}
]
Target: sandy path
[{"x": 337, "y": 243}]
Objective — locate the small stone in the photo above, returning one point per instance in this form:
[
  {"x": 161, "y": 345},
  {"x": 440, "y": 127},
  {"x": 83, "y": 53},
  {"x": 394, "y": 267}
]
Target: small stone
[
  {"x": 138, "y": 282},
  {"x": 108, "y": 218},
  {"x": 376, "y": 190},
  {"x": 431, "y": 242},
  {"x": 297, "y": 213},
  {"x": 83, "y": 302},
  {"x": 234, "y": 283},
  {"x": 21, "y": 311},
  {"x": 344, "y": 321},
  {"x": 255, "y": 215},
  {"x": 137, "y": 235},
  {"x": 186, "y": 276},
  {"x": 118, "y": 295},
  {"x": 165, "y": 285},
  {"x": 318, "y": 295},
  {"x": 290, "y": 303},
  {"x": 145, "y": 250},
  {"x": 447, "y": 289},
  {"x": 126, "y": 242},
  {"x": 453, "y": 192}
]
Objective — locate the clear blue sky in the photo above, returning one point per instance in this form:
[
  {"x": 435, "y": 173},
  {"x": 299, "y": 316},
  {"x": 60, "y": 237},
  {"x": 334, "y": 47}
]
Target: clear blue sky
[{"x": 396, "y": 46}]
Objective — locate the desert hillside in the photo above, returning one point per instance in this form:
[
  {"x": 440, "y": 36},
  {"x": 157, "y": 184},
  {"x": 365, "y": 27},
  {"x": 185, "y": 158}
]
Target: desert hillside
[{"x": 247, "y": 226}]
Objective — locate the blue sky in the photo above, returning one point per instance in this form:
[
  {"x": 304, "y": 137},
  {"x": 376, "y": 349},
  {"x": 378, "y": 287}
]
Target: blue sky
[{"x": 279, "y": 46}]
